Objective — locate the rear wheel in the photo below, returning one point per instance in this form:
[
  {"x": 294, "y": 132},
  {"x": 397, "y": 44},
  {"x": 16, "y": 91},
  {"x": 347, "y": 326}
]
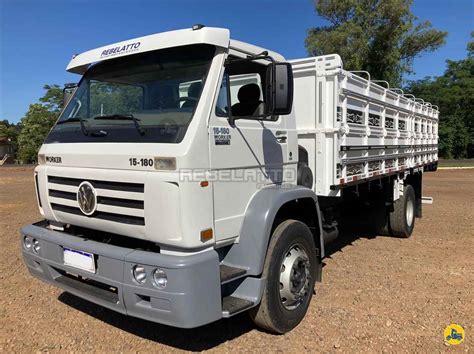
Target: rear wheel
[
  {"x": 290, "y": 268},
  {"x": 402, "y": 218},
  {"x": 379, "y": 219}
]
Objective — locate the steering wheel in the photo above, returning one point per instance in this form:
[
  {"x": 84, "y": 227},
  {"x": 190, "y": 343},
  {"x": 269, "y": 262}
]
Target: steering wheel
[{"x": 168, "y": 121}]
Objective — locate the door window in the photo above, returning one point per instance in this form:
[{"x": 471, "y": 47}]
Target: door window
[{"x": 243, "y": 85}]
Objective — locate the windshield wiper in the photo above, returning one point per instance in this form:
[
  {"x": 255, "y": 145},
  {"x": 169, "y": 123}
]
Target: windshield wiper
[
  {"x": 136, "y": 121},
  {"x": 84, "y": 130},
  {"x": 77, "y": 119}
]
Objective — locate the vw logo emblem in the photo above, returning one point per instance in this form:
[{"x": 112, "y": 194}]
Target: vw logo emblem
[{"x": 87, "y": 198}]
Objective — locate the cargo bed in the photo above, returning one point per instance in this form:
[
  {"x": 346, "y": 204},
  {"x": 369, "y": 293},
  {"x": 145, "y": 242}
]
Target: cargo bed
[{"x": 352, "y": 129}]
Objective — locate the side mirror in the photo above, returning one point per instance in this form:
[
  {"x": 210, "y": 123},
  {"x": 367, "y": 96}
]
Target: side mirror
[
  {"x": 277, "y": 90},
  {"x": 283, "y": 89},
  {"x": 68, "y": 91}
]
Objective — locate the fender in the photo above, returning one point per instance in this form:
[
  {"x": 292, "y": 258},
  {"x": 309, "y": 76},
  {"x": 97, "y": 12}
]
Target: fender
[{"x": 254, "y": 238}]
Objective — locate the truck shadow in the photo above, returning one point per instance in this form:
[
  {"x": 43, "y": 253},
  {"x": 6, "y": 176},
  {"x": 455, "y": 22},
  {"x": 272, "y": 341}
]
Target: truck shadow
[
  {"x": 350, "y": 233},
  {"x": 196, "y": 339},
  {"x": 345, "y": 239},
  {"x": 200, "y": 338}
]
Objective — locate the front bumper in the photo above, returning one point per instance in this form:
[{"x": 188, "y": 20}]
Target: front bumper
[{"x": 191, "y": 298}]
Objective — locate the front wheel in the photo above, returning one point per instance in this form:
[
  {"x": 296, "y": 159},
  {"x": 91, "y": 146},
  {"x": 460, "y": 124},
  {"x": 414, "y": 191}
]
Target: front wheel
[{"x": 290, "y": 268}]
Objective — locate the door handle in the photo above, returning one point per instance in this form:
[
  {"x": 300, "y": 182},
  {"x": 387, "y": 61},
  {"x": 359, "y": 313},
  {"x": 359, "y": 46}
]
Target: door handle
[{"x": 280, "y": 136}]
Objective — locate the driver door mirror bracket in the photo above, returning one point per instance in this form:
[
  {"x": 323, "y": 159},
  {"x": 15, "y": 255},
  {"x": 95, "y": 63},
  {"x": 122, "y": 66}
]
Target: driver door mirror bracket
[{"x": 68, "y": 91}]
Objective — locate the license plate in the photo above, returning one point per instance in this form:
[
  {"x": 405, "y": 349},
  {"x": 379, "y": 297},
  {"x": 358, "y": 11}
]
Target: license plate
[{"x": 79, "y": 259}]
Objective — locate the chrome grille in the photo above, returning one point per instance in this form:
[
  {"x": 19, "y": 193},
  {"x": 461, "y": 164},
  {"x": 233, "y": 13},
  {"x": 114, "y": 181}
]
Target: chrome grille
[{"x": 121, "y": 202}]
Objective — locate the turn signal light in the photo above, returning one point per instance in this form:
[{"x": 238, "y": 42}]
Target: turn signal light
[{"x": 206, "y": 235}]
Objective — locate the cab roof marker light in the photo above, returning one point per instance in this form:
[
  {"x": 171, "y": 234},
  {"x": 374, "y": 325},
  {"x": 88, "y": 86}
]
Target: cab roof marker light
[{"x": 197, "y": 26}]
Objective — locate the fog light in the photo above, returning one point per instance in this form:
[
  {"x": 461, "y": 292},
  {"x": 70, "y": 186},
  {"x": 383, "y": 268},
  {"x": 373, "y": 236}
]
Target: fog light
[
  {"x": 159, "y": 278},
  {"x": 36, "y": 245},
  {"x": 139, "y": 274},
  {"x": 27, "y": 242}
]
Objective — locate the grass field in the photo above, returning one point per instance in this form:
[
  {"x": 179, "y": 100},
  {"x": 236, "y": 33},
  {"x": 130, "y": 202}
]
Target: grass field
[{"x": 456, "y": 163}]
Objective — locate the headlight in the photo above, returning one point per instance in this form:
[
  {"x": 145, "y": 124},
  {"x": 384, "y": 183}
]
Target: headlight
[
  {"x": 139, "y": 274},
  {"x": 27, "y": 242},
  {"x": 159, "y": 278},
  {"x": 41, "y": 159},
  {"x": 165, "y": 163},
  {"x": 36, "y": 246}
]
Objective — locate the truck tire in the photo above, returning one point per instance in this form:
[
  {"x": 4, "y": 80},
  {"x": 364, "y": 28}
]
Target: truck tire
[
  {"x": 402, "y": 218},
  {"x": 290, "y": 268},
  {"x": 379, "y": 220},
  {"x": 304, "y": 176}
]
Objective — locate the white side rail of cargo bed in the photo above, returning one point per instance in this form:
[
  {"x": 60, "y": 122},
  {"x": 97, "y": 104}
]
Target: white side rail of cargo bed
[{"x": 355, "y": 129}]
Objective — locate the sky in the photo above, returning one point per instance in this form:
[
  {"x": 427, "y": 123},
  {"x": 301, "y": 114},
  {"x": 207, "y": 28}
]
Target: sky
[{"x": 39, "y": 37}]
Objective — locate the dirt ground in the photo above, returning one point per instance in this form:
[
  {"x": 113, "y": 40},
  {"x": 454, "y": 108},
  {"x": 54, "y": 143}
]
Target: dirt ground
[{"x": 378, "y": 294}]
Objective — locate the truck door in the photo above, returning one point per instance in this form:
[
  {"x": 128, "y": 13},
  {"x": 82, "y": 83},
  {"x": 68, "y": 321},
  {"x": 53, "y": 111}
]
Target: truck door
[{"x": 246, "y": 156}]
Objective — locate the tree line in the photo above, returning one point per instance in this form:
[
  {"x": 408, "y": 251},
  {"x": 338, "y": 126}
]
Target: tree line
[
  {"x": 382, "y": 37},
  {"x": 29, "y": 133}
]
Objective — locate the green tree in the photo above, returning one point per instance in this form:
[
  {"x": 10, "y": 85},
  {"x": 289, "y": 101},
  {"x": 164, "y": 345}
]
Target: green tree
[
  {"x": 109, "y": 98},
  {"x": 453, "y": 92},
  {"x": 37, "y": 123},
  {"x": 382, "y": 37},
  {"x": 53, "y": 98},
  {"x": 9, "y": 131}
]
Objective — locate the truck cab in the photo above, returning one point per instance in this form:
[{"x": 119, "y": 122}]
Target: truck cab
[{"x": 153, "y": 121}]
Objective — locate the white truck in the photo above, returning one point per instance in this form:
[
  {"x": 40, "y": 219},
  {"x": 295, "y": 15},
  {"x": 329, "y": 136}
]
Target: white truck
[{"x": 191, "y": 177}]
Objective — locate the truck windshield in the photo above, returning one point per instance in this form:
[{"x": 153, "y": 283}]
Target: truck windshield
[{"x": 148, "y": 97}]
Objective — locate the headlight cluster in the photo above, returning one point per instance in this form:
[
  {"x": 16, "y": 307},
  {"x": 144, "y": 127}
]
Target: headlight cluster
[
  {"x": 159, "y": 277},
  {"x": 30, "y": 243}
]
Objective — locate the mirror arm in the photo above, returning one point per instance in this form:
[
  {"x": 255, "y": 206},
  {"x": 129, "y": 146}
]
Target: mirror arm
[
  {"x": 231, "y": 118},
  {"x": 69, "y": 86},
  {"x": 229, "y": 103}
]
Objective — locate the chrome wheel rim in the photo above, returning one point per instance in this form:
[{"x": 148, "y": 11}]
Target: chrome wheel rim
[
  {"x": 294, "y": 277},
  {"x": 410, "y": 212}
]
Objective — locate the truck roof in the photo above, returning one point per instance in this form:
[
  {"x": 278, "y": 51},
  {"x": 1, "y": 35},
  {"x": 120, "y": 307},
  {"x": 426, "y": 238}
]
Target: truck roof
[{"x": 206, "y": 35}]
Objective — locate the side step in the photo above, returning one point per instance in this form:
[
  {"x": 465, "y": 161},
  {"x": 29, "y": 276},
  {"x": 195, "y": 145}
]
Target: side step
[
  {"x": 229, "y": 273},
  {"x": 232, "y": 305}
]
